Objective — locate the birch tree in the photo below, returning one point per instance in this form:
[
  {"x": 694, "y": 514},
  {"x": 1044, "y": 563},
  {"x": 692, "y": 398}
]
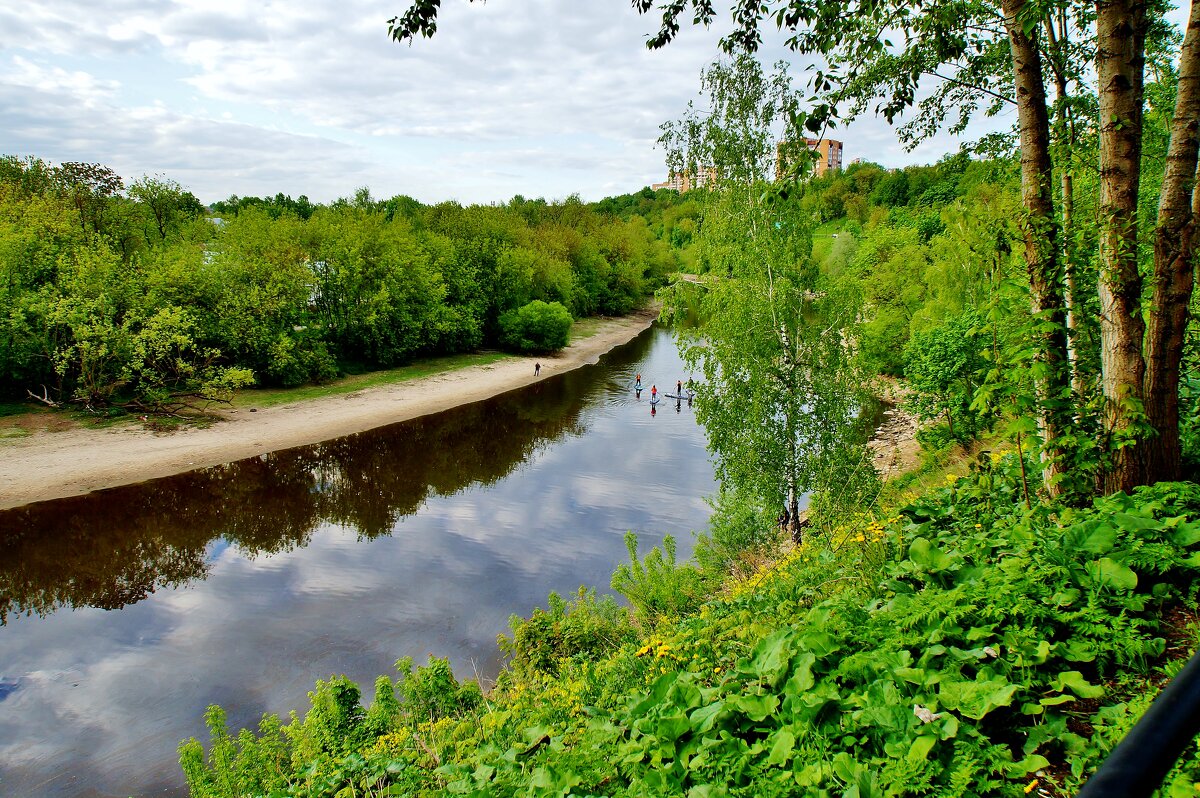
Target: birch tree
[{"x": 779, "y": 386}]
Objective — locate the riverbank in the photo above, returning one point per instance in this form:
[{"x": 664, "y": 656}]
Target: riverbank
[{"x": 56, "y": 463}]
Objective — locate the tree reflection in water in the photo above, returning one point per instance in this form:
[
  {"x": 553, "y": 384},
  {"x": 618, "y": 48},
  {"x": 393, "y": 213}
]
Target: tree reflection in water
[{"x": 113, "y": 548}]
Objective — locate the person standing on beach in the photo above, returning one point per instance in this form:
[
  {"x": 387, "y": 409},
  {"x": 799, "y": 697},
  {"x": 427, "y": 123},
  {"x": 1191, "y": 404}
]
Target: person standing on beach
[{"x": 537, "y": 369}]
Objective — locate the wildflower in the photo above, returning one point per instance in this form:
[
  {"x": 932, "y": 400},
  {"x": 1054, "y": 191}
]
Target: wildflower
[
  {"x": 859, "y": 538},
  {"x": 642, "y": 651},
  {"x": 1029, "y": 787},
  {"x": 979, "y": 526},
  {"x": 663, "y": 650},
  {"x": 717, "y": 669}
]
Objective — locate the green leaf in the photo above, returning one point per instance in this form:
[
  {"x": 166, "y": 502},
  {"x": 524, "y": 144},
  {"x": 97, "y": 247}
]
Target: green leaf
[
  {"x": 928, "y": 556},
  {"x": 705, "y": 717},
  {"x": 1101, "y": 540},
  {"x": 1186, "y": 534},
  {"x": 1107, "y": 572},
  {"x": 672, "y": 726},
  {"x": 755, "y": 707},
  {"x": 1130, "y": 521},
  {"x": 1030, "y": 764},
  {"x": 781, "y": 750},
  {"x": 976, "y": 699},
  {"x": 771, "y": 656},
  {"x": 802, "y": 679},
  {"x": 1074, "y": 681},
  {"x": 921, "y": 747}
]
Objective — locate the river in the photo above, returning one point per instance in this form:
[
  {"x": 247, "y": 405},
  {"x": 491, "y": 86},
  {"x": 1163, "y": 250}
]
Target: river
[{"x": 124, "y": 613}]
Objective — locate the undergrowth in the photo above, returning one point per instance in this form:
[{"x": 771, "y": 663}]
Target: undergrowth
[{"x": 959, "y": 645}]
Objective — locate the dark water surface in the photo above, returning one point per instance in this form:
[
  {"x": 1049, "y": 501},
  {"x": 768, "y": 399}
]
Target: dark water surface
[{"x": 127, "y": 611}]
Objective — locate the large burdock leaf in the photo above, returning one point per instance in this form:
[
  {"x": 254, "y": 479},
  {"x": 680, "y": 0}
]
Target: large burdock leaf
[
  {"x": 976, "y": 699},
  {"x": 1107, "y": 572}
]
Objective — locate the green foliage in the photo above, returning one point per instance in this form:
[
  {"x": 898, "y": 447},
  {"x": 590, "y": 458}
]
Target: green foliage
[
  {"x": 878, "y": 662},
  {"x": 431, "y": 692},
  {"x": 657, "y": 587},
  {"x": 536, "y": 327},
  {"x": 943, "y": 366},
  {"x": 140, "y": 300},
  {"x": 586, "y": 628}
]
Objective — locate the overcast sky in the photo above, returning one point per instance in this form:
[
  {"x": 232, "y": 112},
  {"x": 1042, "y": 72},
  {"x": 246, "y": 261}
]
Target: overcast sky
[{"x": 252, "y": 97}]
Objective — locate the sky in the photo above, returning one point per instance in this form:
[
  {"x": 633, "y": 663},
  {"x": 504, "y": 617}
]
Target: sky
[{"x": 543, "y": 98}]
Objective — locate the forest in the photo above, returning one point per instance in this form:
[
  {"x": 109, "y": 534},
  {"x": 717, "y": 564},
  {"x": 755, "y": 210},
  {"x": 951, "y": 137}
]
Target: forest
[{"x": 138, "y": 297}]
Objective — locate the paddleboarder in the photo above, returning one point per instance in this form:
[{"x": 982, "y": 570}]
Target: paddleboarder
[{"x": 653, "y": 391}]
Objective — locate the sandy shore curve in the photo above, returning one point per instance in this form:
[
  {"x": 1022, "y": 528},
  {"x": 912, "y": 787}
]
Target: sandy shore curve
[{"x": 57, "y": 464}]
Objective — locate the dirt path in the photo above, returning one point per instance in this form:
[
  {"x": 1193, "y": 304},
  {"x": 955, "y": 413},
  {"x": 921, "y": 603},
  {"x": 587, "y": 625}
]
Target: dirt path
[{"x": 55, "y": 464}]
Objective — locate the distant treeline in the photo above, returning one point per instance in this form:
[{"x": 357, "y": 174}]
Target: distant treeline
[{"x": 139, "y": 295}]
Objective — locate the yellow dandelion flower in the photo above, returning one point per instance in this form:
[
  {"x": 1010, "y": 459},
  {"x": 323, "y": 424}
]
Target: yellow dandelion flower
[
  {"x": 1030, "y": 786},
  {"x": 717, "y": 669},
  {"x": 642, "y": 651},
  {"x": 979, "y": 526}
]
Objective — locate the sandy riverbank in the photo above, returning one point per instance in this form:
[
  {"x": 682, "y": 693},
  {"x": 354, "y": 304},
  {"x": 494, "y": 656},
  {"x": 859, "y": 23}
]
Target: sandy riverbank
[{"x": 69, "y": 462}]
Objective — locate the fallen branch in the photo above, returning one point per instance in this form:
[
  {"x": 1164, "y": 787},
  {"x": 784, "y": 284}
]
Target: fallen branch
[{"x": 44, "y": 398}]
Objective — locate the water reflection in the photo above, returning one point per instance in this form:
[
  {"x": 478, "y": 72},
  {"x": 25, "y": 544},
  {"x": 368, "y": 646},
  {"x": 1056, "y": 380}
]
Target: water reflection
[
  {"x": 115, "y": 547},
  {"x": 243, "y": 584}
]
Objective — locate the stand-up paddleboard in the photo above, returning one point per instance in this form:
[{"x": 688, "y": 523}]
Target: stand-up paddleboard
[
  {"x": 654, "y": 401},
  {"x": 688, "y": 396}
]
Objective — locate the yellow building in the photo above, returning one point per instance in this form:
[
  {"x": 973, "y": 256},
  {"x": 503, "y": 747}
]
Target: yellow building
[
  {"x": 682, "y": 182},
  {"x": 829, "y": 156}
]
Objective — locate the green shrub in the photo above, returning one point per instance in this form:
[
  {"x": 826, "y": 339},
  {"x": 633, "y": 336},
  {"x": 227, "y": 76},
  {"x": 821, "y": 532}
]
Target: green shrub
[
  {"x": 536, "y": 327},
  {"x": 585, "y": 627},
  {"x": 657, "y": 587}
]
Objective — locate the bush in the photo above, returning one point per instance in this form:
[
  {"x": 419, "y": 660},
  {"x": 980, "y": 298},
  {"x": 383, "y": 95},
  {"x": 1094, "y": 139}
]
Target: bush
[
  {"x": 536, "y": 327},
  {"x": 658, "y": 587}
]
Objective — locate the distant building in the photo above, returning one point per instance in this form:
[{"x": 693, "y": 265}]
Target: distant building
[
  {"x": 829, "y": 156},
  {"x": 682, "y": 181}
]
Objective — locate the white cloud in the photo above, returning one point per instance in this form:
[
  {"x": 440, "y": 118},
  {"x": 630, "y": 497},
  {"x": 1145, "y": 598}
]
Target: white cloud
[{"x": 545, "y": 99}]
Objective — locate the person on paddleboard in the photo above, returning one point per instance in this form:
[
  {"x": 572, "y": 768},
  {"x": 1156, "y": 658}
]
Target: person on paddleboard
[
  {"x": 638, "y": 383},
  {"x": 653, "y": 391},
  {"x": 679, "y": 388}
]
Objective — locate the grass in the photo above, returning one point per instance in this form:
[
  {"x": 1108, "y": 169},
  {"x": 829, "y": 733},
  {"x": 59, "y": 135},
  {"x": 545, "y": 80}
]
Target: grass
[
  {"x": 823, "y": 239},
  {"x": 586, "y": 328},
  {"x": 269, "y": 397},
  {"x": 13, "y": 409}
]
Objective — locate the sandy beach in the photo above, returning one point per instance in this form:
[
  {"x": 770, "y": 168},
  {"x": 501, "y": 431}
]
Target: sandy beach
[{"x": 68, "y": 462}]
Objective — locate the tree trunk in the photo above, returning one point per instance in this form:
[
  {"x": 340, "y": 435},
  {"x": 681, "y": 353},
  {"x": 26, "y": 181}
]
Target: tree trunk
[
  {"x": 1065, "y": 133},
  {"x": 1120, "y": 63},
  {"x": 1174, "y": 275},
  {"x": 1041, "y": 246}
]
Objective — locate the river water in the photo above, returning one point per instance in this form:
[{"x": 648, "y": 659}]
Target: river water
[{"x": 126, "y": 612}]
